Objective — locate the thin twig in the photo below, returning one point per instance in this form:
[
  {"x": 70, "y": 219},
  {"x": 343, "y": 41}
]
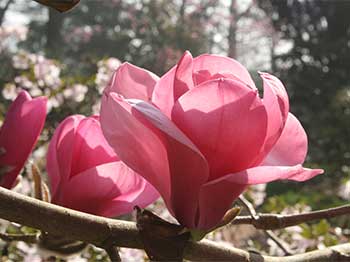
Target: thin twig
[
  {"x": 276, "y": 221},
  {"x": 113, "y": 254},
  {"x": 249, "y": 206},
  {"x": 279, "y": 242},
  {"x": 28, "y": 238}
]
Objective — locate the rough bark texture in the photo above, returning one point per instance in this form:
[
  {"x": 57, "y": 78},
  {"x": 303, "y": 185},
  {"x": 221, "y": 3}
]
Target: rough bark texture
[{"x": 104, "y": 232}]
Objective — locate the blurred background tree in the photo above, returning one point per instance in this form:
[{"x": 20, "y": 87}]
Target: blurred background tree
[
  {"x": 316, "y": 70},
  {"x": 69, "y": 57}
]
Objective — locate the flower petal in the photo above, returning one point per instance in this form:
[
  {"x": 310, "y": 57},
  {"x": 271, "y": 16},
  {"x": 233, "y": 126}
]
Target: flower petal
[
  {"x": 265, "y": 174},
  {"x": 217, "y": 196},
  {"x": 274, "y": 89},
  {"x": 276, "y": 103},
  {"x": 19, "y": 133},
  {"x": 110, "y": 189},
  {"x": 173, "y": 84},
  {"x": 227, "y": 122},
  {"x": 213, "y": 64},
  {"x": 132, "y": 82},
  {"x": 183, "y": 75},
  {"x": 60, "y": 152},
  {"x": 148, "y": 142},
  {"x": 90, "y": 146},
  {"x": 293, "y": 139}
]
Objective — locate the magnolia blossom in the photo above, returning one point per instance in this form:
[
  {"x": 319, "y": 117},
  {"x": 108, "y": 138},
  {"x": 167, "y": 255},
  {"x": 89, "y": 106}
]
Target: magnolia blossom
[
  {"x": 85, "y": 174},
  {"x": 18, "y": 135},
  {"x": 206, "y": 137}
]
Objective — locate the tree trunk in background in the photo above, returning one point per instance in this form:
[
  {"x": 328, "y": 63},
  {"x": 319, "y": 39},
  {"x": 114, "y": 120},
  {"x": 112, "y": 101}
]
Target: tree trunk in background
[
  {"x": 182, "y": 11},
  {"x": 232, "y": 43},
  {"x": 273, "y": 55},
  {"x": 53, "y": 34},
  {"x": 3, "y": 11},
  {"x": 181, "y": 24}
]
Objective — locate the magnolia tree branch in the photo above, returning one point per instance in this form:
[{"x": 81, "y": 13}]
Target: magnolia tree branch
[
  {"x": 113, "y": 254},
  {"x": 105, "y": 232},
  {"x": 275, "y": 221},
  {"x": 28, "y": 238},
  {"x": 253, "y": 214}
]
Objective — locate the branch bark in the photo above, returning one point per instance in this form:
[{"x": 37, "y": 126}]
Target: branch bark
[
  {"x": 102, "y": 231},
  {"x": 275, "y": 221}
]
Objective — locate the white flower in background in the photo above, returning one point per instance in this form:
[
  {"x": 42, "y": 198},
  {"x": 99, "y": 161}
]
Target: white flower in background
[
  {"x": 10, "y": 91},
  {"x": 96, "y": 107},
  {"x": 24, "y": 82},
  {"x": 47, "y": 72},
  {"x": 296, "y": 209},
  {"x": 257, "y": 194},
  {"x": 39, "y": 153},
  {"x": 105, "y": 70},
  {"x": 24, "y": 186},
  {"x": 54, "y": 101},
  {"x": 35, "y": 91},
  {"x": 21, "y": 60},
  {"x": 30, "y": 252},
  {"x": 10, "y": 35},
  {"x": 76, "y": 92},
  {"x": 344, "y": 190},
  {"x": 131, "y": 255}
]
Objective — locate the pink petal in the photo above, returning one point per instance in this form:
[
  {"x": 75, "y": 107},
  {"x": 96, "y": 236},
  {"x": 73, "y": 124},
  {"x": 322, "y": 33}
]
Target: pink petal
[
  {"x": 183, "y": 75},
  {"x": 148, "y": 142},
  {"x": 110, "y": 189},
  {"x": 19, "y": 133},
  {"x": 132, "y": 82},
  {"x": 227, "y": 122},
  {"x": 274, "y": 89},
  {"x": 276, "y": 103},
  {"x": 173, "y": 84},
  {"x": 163, "y": 93},
  {"x": 217, "y": 196},
  {"x": 215, "y": 199},
  {"x": 60, "y": 152},
  {"x": 291, "y": 147},
  {"x": 141, "y": 196},
  {"x": 265, "y": 174},
  {"x": 213, "y": 64},
  {"x": 90, "y": 146}
]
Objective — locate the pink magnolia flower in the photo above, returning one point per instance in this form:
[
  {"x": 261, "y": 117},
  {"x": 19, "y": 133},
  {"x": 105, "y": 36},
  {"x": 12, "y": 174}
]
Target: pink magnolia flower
[
  {"x": 133, "y": 82},
  {"x": 18, "y": 135},
  {"x": 85, "y": 174},
  {"x": 209, "y": 136}
]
